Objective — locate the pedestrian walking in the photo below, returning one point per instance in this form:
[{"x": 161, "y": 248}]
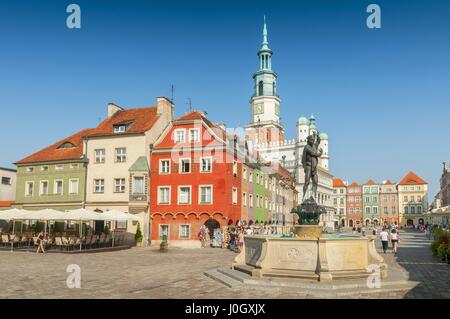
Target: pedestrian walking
[
  {"x": 384, "y": 236},
  {"x": 363, "y": 230},
  {"x": 202, "y": 235},
  {"x": 394, "y": 241},
  {"x": 40, "y": 242},
  {"x": 241, "y": 240}
]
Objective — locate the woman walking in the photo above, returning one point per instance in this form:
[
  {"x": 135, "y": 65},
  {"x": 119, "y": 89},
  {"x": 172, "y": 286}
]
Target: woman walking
[
  {"x": 394, "y": 241},
  {"x": 40, "y": 241},
  {"x": 384, "y": 236}
]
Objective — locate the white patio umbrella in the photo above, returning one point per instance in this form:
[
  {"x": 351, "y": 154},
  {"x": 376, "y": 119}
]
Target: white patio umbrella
[
  {"x": 116, "y": 215},
  {"x": 81, "y": 215},
  {"x": 11, "y": 213}
]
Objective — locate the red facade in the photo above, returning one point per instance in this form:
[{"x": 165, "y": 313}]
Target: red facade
[
  {"x": 194, "y": 173},
  {"x": 354, "y": 209}
]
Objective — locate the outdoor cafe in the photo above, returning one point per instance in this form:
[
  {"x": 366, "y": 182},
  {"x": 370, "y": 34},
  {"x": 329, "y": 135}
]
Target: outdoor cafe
[{"x": 69, "y": 231}]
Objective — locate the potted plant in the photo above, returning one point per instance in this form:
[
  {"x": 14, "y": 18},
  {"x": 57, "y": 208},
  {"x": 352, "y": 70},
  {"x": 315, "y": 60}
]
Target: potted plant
[{"x": 138, "y": 236}]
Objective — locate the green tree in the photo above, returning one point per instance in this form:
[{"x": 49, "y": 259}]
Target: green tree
[{"x": 138, "y": 236}]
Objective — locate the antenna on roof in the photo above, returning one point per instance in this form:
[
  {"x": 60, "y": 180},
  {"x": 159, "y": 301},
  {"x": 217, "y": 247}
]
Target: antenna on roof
[
  {"x": 171, "y": 92},
  {"x": 190, "y": 104}
]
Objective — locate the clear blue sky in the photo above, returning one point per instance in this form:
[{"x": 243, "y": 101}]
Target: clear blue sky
[{"x": 383, "y": 96}]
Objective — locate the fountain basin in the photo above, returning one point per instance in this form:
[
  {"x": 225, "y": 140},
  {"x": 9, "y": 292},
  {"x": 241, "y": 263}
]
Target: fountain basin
[{"x": 323, "y": 259}]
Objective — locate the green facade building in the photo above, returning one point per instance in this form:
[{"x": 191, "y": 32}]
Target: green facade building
[{"x": 371, "y": 203}]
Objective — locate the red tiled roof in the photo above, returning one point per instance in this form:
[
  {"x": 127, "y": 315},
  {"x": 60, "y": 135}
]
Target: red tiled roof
[
  {"x": 54, "y": 153},
  {"x": 412, "y": 179},
  {"x": 140, "y": 120},
  {"x": 354, "y": 184},
  {"x": 337, "y": 182},
  {"x": 388, "y": 182},
  {"x": 194, "y": 115},
  {"x": 6, "y": 203},
  {"x": 370, "y": 182}
]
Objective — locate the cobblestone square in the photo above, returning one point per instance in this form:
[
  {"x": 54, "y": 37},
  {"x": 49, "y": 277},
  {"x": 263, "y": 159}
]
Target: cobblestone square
[{"x": 148, "y": 273}]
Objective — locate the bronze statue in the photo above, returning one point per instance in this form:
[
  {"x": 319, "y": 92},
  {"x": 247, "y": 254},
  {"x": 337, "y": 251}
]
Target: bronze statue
[{"x": 310, "y": 159}]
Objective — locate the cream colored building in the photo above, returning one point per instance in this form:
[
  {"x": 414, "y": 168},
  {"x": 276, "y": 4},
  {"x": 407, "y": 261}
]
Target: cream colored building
[
  {"x": 412, "y": 199},
  {"x": 118, "y": 153},
  {"x": 7, "y": 184}
]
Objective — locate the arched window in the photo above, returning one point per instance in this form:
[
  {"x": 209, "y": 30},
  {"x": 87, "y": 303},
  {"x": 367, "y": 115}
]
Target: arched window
[
  {"x": 260, "y": 88},
  {"x": 273, "y": 88}
]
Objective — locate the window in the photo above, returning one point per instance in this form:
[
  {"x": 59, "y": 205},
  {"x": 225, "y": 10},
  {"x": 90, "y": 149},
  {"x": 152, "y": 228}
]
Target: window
[
  {"x": 375, "y": 210},
  {"x": 58, "y": 190},
  {"x": 235, "y": 168},
  {"x": 341, "y": 191},
  {"x": 30, "y": 169},
  {"x": 99, "y": 185},
  {"x": 374, "y": 199},
  {"x": 335, "y": 201},
  {"x": 29, "y": 188},
  {"x": 234, "y": 198},
  {"x": 180, "y": 136},
  {"x": 43, "y": 188},
  {"x": 74, "y": 166},
  {"x": 184, "y": 231},
  {"x": 138, "y": 185},
  {"x": 341, "y": 211},
  {"x": 244, "y": 199},
  {"x": 405, "y": 199},
  {"x": 184, "y": 195},
  {"x": 164, "y": 166},
  {"x": 367, "y": 210},
  {"x": 393, "y": 210},
  {"x": 121, "y": 224},
  {"x": 244, "y": 173},
  {"x": 44, "y": 168},
  {"x": 206, "y": 166},
  {"x": 342, "y": 201},
  {"x": 351, "y": 210},
  {"x": 185, "y": 165},
  {"x": 59, "y": 167},
  {"x": 119, "y": 185},
  {"x": 251, "y": 177},
  {"x": 6, "y": 180},
  {"x": 386, "y": 211},
  {"x": 73, "y": 186},
  {"x": 367, "y": 199},
  {"x": 194, "y": 135},
  {"x": 260, "y": 88},
  {"x": 121, "y": 154},
  {"x": 99, "y": 156},
  {"x": 120, "y": 128},
  {"x": 163, "y": 231},
  {"x": 412, "y": 199},
  {"x": 419, "y": 209},
  {"x": 205, "y": 194},
  {"x": 419, "y": 199},
  {"x": 163, "y": 195},
  {"x": 406, "y": 210},
  {"x": 413, "y": 210}
]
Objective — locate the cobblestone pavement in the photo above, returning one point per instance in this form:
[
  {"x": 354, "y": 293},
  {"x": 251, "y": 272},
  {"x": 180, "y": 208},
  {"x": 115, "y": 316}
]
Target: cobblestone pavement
[{"x": 147, "y": 273}]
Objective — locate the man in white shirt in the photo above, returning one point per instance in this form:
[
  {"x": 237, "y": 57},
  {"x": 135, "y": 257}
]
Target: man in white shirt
[{"x": 384, "y": 236}]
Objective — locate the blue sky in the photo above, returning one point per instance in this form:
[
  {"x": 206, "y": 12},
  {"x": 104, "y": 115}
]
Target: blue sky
[{"x": 383, "y": 95}]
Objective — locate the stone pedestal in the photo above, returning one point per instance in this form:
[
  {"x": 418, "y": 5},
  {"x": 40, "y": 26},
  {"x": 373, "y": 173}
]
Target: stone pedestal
[{"x": 308, "y": 231}]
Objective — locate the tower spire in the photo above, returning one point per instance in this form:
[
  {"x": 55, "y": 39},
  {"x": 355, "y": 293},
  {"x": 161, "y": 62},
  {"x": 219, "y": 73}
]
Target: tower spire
[{"x": 265, "y": 43}]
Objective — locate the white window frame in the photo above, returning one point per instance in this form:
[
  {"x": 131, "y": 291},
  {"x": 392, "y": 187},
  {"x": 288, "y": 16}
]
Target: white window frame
[
  {"x": 244, "y": 199},
  {"x": 123, "y": 156},
  {"x": 74, "y": 165},
  {"x": 27, "y": 188},
  {"x": 44, "y": 168},
  {"x": 198, "y": 135},
  {"x": 233, "y": 196},
  {"x": 134, "y": 185},
  {"x": 180, "y": 165},
  {"x": 99, "y": 159},
  {"x": 200, "y": 194},
  {"x": 235, "y": 167},
  {"x": 189, "y": 231},
  {"x": 118, "y": 128},
  {"x": 161, "y": 167},
  {"x": 179, "y": 193},
  {"x": 210, "y": 164},
  {"x": 175, "y": 135},
  {"x": 59, "y": 167},
  {"x": 124, "y": 185},
  {"x": 77, "y": 180},
  {"x": 41, "y": 188},
  {"x": 30, "y": 169},
  {"x": 55, "y": 187},
  {"x": 103, "y": 185},
  {"x": 159, "y": 195}
]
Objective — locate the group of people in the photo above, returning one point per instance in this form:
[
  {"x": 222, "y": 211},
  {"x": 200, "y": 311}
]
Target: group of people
[{"x": 393, "y": 237}]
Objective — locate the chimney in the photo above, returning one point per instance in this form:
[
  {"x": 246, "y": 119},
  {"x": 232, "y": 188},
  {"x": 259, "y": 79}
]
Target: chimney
[
  {"x": 113, "y": 109},
  {"x": 164, "y": 106}
]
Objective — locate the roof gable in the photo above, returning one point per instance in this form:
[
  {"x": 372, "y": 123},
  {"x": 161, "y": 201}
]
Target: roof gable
[
  {"x": 337, "y": 182},
  {"x": 412, "y": 179}
]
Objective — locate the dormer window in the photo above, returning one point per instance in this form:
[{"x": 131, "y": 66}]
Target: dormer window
[
  {"x": 66, "y": 145},
  {"x": 122, "y": 128}
]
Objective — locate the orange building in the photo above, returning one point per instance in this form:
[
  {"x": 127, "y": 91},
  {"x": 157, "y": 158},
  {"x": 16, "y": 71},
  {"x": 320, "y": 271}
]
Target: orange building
[
  {"x": 354, "y": 212},
  {"x": 195, "y": 180}
]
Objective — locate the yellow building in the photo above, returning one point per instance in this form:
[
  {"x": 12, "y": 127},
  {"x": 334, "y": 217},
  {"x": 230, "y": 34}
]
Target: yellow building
[{"x": 412, "y": 199}]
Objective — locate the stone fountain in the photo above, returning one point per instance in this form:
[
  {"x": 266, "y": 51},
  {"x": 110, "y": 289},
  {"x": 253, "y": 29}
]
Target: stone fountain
[{"x": 310, "y": 254}]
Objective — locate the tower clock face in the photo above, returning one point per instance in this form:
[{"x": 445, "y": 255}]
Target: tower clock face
[{"x": 258, "y": 109}]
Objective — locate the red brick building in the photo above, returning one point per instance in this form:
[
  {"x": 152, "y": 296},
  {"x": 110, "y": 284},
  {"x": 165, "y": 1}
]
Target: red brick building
[
  {"x": 195, "y": 180},
  {"x": 354, "y": 211}
]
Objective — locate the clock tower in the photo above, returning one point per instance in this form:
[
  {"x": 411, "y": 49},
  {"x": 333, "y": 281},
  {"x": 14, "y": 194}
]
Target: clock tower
[{"x": 265, "y": 103}]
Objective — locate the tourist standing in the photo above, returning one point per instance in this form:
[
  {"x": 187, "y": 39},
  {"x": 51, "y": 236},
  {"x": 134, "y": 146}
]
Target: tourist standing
[
  {"x": 394, "y": 241},
  {"x": 241, "y": 240},
  {"x": 233, "y": 240},
  {"x": 384, "y": 236},
  {"x": 363, "y": 230},
  {"x": 202, "y": 235}
]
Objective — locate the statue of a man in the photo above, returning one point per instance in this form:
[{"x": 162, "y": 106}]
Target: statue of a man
[{"x": 310, "y": 159}]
